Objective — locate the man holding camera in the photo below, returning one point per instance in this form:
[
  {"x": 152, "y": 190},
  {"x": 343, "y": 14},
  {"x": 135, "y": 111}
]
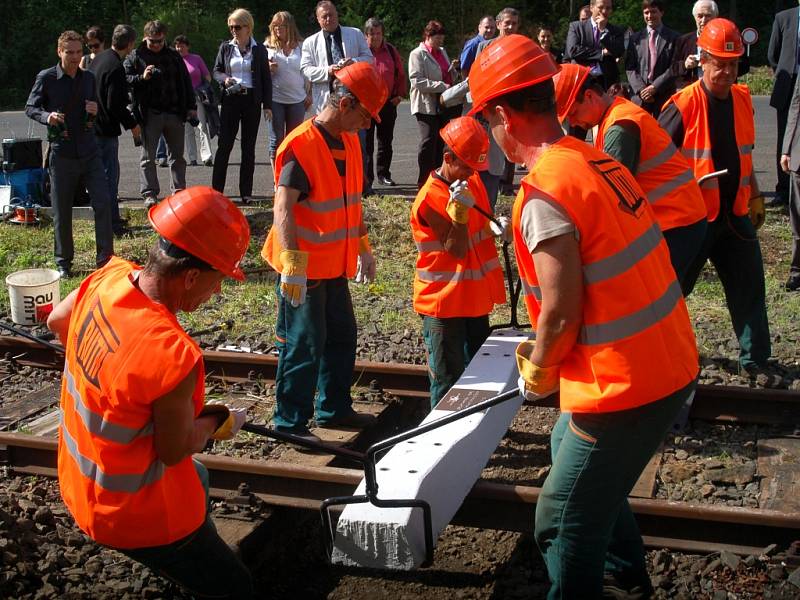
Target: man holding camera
[
  {"x": 64, "y": 99},
  {"x": 163, "y": 100}
]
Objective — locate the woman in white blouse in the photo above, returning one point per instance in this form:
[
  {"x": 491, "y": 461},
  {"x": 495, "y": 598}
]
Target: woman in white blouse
[{"x": 290, "y": 89}]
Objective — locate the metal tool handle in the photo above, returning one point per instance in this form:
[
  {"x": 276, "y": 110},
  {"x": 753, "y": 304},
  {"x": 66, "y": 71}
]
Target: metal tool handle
[{"x": 704, "y": 178}]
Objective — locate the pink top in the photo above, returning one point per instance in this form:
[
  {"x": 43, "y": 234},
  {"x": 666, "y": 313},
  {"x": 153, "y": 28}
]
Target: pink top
[
  {"x": 197, "y": 69},
  {"x": 442, "y": 60},
  {"x": 388, "y": 67}
]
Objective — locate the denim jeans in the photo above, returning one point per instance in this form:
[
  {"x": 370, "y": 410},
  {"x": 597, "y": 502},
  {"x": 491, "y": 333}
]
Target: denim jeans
[
  {"x": 584, "y": 524},
  {"x": 109, "y": 154},
  {"x": 285, "y": 117},
  {"x": 202, "y": 563},
  {"x": 451, "y": 343},
  {"x": 316, "y": 353}
]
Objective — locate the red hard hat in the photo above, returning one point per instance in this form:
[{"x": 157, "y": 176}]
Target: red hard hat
[
  {"x": 468, "y": 140},
  {"x": 204, "y": 223},
  {"x": 365, "y": 82},
  {"x": 720, "y": 37},
  {"x": 568, "y": 82},
  {"x": 509, "y": 63}
]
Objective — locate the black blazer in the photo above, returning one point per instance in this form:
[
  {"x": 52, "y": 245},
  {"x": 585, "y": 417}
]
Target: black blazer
[
  {"x": 687, "y": 45},
  {"x": 112, "y": 95},
  {"x": 581, "y": 49},
  {"x": 637, "y": 66},
  {"x": 262, "y": 80},
  {"x": 782, "y": 56}
]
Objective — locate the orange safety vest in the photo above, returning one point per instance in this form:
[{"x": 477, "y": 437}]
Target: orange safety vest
[
  {"x": 693, "y": 106},
  {"x": 635, "y": 344},
  {"x": 446, "y": 286},
  {"x": 328, "y": 220},
  {"x": 123, "y": 352},
  {"x": 663, "y": 173}
]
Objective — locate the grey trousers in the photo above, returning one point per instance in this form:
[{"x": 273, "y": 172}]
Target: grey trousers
[
  {"x": 171, "y": 127},
  {"x": 794, "y": 220},
  {"x": 65, "y": 176}
]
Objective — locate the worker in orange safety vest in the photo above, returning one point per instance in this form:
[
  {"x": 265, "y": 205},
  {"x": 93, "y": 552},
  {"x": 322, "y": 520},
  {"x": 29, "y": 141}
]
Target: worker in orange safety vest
[
  {"x": 317, "y": 241},
  {"x": 612, "y": 331},
  {"x": 132, "y": 398},
  {"x": 458, "y": 277},
  {"x": 711, "y": 123},
  {"x": 631, "y": 135}
]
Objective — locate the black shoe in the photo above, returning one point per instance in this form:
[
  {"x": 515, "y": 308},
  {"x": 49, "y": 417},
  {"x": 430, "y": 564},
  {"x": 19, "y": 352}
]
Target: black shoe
[
  {"x": 162, "y": 162},
  {"x": 792, "y": 284},
  {"x": 64, "y": 272},
  {"x": 193, "y": 163},
  {"x": 367, "y": 192},
  {"x": 208, "y": 162},
  {"x": 150, "y": 201},
  {"x": 778, "y": 200},
  {"x": 386, "y": 181},
  {"x": 122, "y": 232}
]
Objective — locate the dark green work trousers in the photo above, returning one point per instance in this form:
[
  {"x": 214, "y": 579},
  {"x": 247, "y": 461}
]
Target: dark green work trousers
[
  {"x": 451, "y": 343},
  {"x": 731, "y": 244},
  {"x": 316, "y": 355}
]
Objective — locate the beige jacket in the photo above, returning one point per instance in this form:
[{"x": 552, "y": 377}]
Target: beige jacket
[{"x": 426, "y": 81}]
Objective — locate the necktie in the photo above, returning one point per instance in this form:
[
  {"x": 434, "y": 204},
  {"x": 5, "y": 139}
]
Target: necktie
[
  {"x": 336, "y": 53},
  {"x": 596, "y": 37},
  {"x": 653, "y": 56}
]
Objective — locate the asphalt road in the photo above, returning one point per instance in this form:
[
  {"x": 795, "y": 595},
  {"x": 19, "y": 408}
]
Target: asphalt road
[{"x": 14, "y": 124}]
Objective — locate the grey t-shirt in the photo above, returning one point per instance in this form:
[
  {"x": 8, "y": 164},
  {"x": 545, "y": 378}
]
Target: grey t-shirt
[{"x": 543, "y": 219}]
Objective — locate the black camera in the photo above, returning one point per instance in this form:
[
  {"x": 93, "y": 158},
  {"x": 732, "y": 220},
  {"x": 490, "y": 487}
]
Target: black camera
[
  {"x": 155, "y": 72},
  {"x": 193, "y": 121},
  {"x": 236, "y": 88}
]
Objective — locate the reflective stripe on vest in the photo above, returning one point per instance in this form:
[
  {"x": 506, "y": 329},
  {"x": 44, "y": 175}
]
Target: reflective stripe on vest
[
  {"x": 96, "y": 424},
  {"x": 128, "y": 483},
  {"x": 447, "y": 286},
  {"x": 328, "y": 220},
  {"x": 692, "y": 103},
  {"x": 662, "y": 172},
  {"x": 635, "y": 343}
]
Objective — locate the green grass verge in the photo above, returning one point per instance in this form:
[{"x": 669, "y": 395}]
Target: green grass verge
[{"x": 759, "y": 80}]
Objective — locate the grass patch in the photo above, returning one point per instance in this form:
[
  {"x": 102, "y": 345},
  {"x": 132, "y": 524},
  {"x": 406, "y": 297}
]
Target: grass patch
[{"x": 759, "y": 80}]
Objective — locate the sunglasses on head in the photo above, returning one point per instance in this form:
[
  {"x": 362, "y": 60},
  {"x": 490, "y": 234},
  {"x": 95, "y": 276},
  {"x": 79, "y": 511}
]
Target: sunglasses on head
[
  {"x": 236, "y": 27},
  {"x": 93, "y": 46}
]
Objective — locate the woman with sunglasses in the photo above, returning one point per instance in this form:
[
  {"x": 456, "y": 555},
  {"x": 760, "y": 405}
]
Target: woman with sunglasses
[
  {"x": 95, "y": 42},
  {"x": 242, "y": 69}
]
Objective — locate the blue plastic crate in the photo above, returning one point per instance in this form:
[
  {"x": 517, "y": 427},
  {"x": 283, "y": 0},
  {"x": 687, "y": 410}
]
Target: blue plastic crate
[{"x": 24, "y": 183}]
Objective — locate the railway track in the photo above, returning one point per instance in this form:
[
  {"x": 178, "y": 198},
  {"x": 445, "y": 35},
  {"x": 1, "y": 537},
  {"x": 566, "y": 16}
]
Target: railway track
[
  {"x": 677, "y": 526},
  {"x": 712, "y": 403}
]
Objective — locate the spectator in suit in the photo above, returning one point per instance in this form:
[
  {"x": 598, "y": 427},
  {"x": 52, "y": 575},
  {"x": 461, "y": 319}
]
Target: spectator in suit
[
  {"x": 486, "y": 31},
  {"x": 790, "y": 163},
  {"x": 648, "y": 61},
  {"x": 585, "y": 13},
  {"x": 597, "y": 43},
  {"x": 330, "y": 49},
  {"x": 784, "y": 44},
  {"x": 112, "y": 111}
]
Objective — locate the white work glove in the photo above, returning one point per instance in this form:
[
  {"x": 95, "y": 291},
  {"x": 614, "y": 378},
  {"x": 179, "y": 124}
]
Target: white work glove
[
  {"x": 232, "y": 419},
  {"x": 366, "y": 262},
  {"x": 461, "y": 200},
  {"x": 503, "y": 230}
]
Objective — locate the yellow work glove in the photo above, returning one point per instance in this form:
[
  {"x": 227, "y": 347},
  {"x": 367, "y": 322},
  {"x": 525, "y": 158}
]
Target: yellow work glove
[
  {"x": 293, "y": 276},
  {"x": 230, "y": 420},
  {"x": 461, "y": 200},
  {"x": 366, "y": 261},
  {"x": 757, "y": 212},
  {"x": 535, "y": 382}
]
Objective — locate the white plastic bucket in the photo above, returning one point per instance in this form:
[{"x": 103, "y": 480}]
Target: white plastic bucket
[{"x": 33, "y": 294}]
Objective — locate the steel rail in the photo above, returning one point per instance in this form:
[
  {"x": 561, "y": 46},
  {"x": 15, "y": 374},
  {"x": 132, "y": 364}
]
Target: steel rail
[
  {"x": 489, "y": 505},
  {"x": 712, "y": 402}
]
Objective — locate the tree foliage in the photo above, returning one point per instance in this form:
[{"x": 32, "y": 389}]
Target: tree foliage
[{"x": 29, "y": 28}]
